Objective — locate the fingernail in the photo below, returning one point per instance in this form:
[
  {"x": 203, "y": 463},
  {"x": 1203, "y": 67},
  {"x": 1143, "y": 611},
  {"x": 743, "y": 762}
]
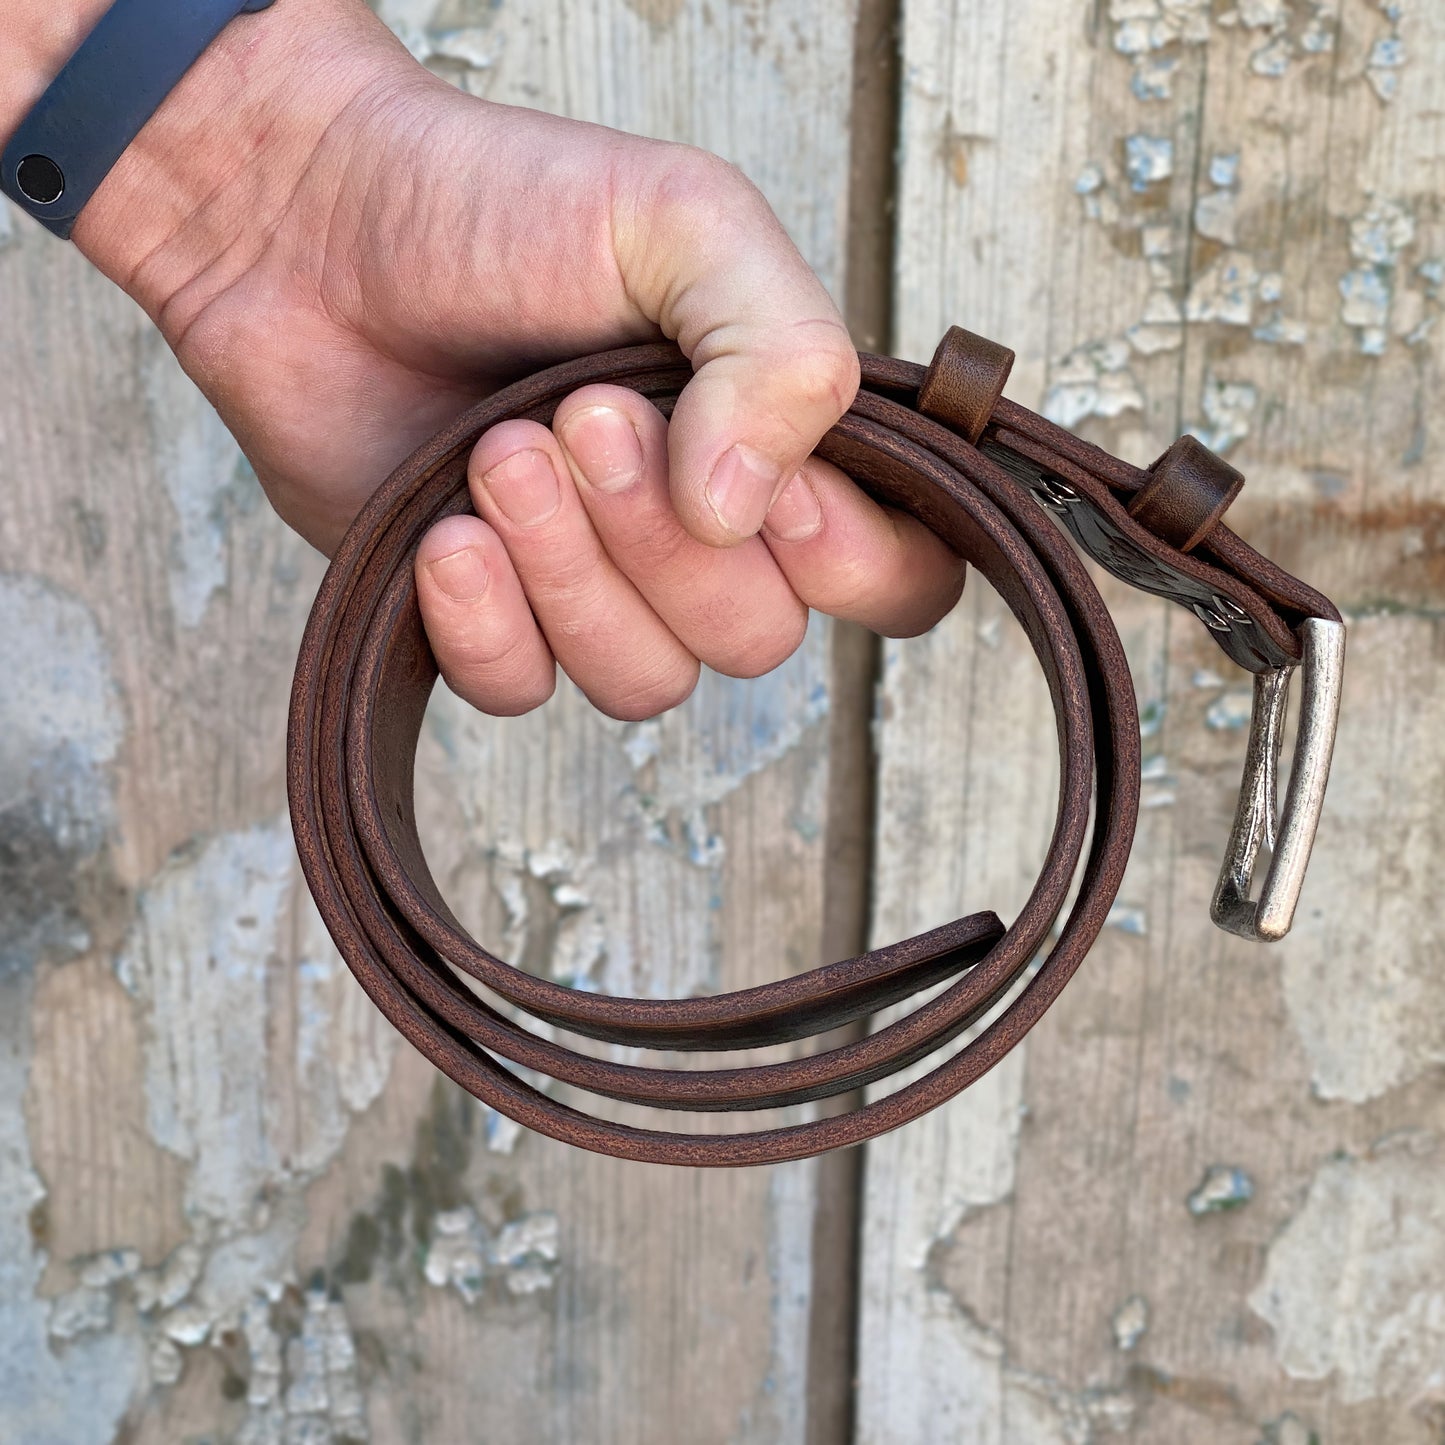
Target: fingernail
[
  {"x": 605, "y": 446},
  {"x": 796, "y": 515},
  {"x": 462, "y": 575},
  {"x": 740, "y": 488},
  {"x": 524, "y": 487}
]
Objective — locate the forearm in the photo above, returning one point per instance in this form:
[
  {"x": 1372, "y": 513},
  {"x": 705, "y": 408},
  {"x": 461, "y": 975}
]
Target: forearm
[{"x": 221, "y": 157}]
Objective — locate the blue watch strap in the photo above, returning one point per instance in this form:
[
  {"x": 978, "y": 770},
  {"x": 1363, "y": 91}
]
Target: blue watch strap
[{"x": 96, "y": 106}]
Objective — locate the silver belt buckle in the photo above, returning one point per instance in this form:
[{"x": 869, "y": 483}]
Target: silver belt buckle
[{"x": 1257, "y": 821}]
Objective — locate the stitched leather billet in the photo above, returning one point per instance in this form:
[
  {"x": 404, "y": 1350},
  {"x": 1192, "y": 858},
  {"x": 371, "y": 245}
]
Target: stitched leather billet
[{"x": 365, "y": 673}]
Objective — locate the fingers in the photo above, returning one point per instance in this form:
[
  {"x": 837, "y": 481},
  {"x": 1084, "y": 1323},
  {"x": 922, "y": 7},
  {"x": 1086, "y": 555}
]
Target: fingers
[
  {"x": 704, "y": 255},
  {"x": 844, "y": 554},
  {"x": 579, "y": 555},
  {"x": 487, "y": 643},
  {"x": 599, "y": 627},
  {"x": 731, "y": 608}
]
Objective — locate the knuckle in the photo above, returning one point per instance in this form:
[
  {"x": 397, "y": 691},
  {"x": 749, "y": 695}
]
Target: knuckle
[
  {"x": 696, "y": 189},
  {"x": 486, "y": 663},
  {"x": 824, "y": 374},
  {"x": 572, "y": 578}
]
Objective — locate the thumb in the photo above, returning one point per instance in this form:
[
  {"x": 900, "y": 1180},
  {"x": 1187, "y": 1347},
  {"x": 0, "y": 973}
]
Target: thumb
[{"x": 709, "y": 262}]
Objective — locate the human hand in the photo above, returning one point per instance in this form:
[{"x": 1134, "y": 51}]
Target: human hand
[{"x": 351, "y": 261}]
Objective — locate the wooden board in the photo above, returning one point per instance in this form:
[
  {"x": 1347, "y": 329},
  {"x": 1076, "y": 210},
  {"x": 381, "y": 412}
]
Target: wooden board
[
  {"x": 232, "y": 1207},
  {"x": 1255, "y": 255}
]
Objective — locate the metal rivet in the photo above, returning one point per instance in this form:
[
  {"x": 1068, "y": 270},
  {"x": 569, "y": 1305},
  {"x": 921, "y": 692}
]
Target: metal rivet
[{"x": 40, "y": 180}]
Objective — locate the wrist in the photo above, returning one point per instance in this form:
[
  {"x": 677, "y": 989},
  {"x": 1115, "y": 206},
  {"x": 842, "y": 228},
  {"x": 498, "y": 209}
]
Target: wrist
[
  {"x": 37, "y": 37},
  {"x": 195, "y": 196}
]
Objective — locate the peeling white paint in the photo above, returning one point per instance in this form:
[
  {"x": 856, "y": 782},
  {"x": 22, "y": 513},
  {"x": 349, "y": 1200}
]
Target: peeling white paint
[
  {"x": 1225, "y": 291},
  {"x": 1127, "y": 918},
  {"x": 1130, "y": 1321},
  {"x": 1093, "y": 380},
  {"x": 1224, "y": 168},
  {"x": 210, "y": 928},
  {"x": 109, "y": 1267},
  {"x": 1144, "y": 25},
  {"x": 1215, "y": 216},
  {"x": 78, "y": 1312},
  {"x": 969, "y": 1390},
  {"x": 303, "y": 1390},
  {"x": 255, "y": 1091},
  {"x": 1318, "y": 36},
  {"x": 1148, "y": 159},
  {"x": 171, "y": 1281},
  {"x": 457, "y": 1254},
  {"x": 1153, "y": 77},
  {"x": 1289, "y": 1429},
  {"x": 527, "y": 1250},
  {"x": 1160, "y": 327},
  {"x": 1225, "y": 1187},
  {"x": 1378, "y": 237},
  {"x": 60, "y": 728},
  {"x": 1354, "y": 1285},
  {"x": 1228, "y": 408},
  {"x": 463, "y": 1252},
  {"x": 1272, "y": 58},
  {"x": 204, "y": 474},
  {"x": 471, "y": 45},
  {"x": 1387, "y": 57}
]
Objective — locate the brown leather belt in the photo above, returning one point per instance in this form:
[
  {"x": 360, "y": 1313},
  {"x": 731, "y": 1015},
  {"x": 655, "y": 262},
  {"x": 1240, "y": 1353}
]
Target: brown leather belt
[{"x": 992, "y": 479}]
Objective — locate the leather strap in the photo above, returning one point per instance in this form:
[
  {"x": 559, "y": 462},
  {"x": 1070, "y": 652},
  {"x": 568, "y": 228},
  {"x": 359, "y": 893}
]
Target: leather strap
[{"x": 365, "y": 673}]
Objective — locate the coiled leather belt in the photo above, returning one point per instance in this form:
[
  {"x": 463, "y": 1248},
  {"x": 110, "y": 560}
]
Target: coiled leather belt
[{"x": 992, "y": 479}]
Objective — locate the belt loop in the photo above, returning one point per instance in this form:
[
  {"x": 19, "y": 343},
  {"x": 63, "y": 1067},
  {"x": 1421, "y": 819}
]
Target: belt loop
[
  {"x": 1188, "y": 491},
  {"x": 964, "y": 381}
]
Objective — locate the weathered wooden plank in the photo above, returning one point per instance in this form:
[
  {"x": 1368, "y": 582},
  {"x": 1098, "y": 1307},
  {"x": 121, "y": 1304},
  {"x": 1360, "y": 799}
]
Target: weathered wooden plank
[
  {"x": 231, "y": 1208},
  {"x": 1182, "y": 215}
]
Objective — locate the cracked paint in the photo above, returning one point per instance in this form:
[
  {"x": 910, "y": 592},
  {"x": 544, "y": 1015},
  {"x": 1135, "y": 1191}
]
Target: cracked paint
[
  {"x": 209, "y": 927},
  {"x": 1228, "y": 409},
  {"x": 255, "y": 1091},
  {"x": 463, "y": 1252},
  {"x": 204, "y": 474},
  {"x": 60, "y": 729},
  {"x": 303, "y": 1384},
  {"x": 1127, "y": 918},
  {"x": 1379, "y": 236},
  {"x": 1148, "y": 159},
  {"x": 977, "y": 1393},
  {"x": 1224, "y": 292},
  {"x": 1225, "y": 1187},
  {"x": 1353, "y": 1286},
  {"x": 1387, "y": 58},
  {"x": 1130, "y": 1321},
  {"x": 1093, "y": 380}
]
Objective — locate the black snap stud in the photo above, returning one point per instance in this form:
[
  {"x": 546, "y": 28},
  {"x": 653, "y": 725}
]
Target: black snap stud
[{"x": 40, "y": 180}]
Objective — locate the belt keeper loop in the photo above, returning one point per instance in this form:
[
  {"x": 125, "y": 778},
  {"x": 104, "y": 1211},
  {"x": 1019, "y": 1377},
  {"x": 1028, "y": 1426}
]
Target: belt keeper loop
[
  {"x": 1188, "y": 491},
  {"x": 964, "y": 381}
]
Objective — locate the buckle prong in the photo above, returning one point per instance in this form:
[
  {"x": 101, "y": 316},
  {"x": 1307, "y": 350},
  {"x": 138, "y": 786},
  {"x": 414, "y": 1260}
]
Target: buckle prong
[{"x": 1257, "y": 821}]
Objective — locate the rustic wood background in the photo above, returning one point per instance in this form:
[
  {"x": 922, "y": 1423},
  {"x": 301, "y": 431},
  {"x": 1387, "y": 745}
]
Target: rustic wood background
[{"x": 1205, "y": 1202}]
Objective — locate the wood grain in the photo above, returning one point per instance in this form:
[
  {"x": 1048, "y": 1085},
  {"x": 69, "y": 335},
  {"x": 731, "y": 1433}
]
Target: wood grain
[
  {"x": 1002, "y": 1236},
  {"x": 242, "y": 1213}
]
